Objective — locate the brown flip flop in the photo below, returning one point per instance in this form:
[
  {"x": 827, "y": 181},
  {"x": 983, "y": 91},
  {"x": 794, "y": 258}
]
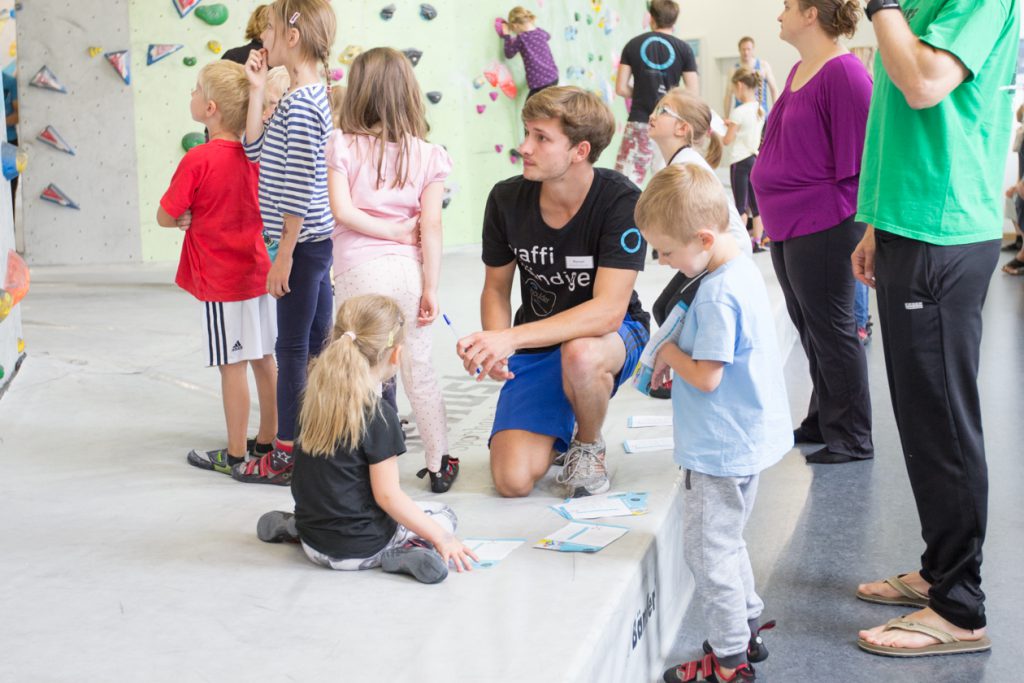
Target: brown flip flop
[
  {"x": 948, "y": 644},
  {"x": 908, "y": 595}
]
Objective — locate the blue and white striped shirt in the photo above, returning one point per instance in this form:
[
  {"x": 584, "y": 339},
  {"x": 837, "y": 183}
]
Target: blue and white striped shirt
[{"x": 293, "y": 173}]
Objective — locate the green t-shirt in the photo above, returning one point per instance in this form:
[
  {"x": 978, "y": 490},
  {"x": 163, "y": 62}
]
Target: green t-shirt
[{"x": 936, "y": 174}]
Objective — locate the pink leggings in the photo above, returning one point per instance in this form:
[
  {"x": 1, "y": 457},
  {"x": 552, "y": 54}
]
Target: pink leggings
[{"x": 401, "y": 278}]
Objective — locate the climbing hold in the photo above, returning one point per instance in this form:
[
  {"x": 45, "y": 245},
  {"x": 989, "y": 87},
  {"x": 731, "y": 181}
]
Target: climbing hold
[
  {"x": 214, "y": 46},
  {"x": 189, "y": 61},
  {"x": 498, "y": 148},
  {"x": 500, "y": 77},
  {"x": 12, "y": 160},
  {"x": 122, "y": 64},
  {"x": 576, "y": 16},
  {"x": 386, "y": 13},
  {"x": 185, "y": 6},
  {"x": 1, "y": 372},
  {"x": 156, "y": 51},
  {"x": 18, "y": 279},
  {"x": 428, "y": 12},
  {"x": 7, "y": 303},
  {"x": 413, "y": 54},
  {"x": 434, "y": 96},
  {"x": 337, "y": 74},
  {"x": 12, "y": 50},
  {"x": 349, "y": 54},
  {"x": 480, "y": 108},
  {"x": 214, "y": 15},
  {"x": 52, "y": 193},
  {"x": 570, "y": 33},
  {"x": 47, "y": 80},
  {"x": 493, "y": 95},
  {"x": 50, "y": 136},
  {"x": 93, "y": 51},
  {"x": 21, "y": 346},
  {"x": 479, "y": 82},
  {"x": 514, "y": 156},
  {"x": 190, "y": 140},
  {"x": 590, "y": 20}
]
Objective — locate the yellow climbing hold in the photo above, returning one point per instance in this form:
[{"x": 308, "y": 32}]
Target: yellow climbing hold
[
  {"x": 13, "y": 49},
  {"x": 21, "y": 346},
  {"x": 93, "y": 51},
  {"x": 349, "y": 54},
  {"x": 215, "y": 46}
]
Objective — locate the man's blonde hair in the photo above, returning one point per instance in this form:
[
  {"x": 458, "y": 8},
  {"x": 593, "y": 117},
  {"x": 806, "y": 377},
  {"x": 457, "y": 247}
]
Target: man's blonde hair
[
  {"x": 680, "y": 201},
  {"x": 582, "y": 114},
  {"x": 224, "y": 82}
]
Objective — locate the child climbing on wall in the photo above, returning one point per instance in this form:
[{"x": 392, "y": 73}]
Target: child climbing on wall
[
  {"x": 212, "y": 197},
  {"x": 384, "y": 180},
  {"x": 350, "y": 512},
  {"x": 294, "y": 207},
  {"x": 532, "y": 43},
  {"x": 730, "y": 413}
]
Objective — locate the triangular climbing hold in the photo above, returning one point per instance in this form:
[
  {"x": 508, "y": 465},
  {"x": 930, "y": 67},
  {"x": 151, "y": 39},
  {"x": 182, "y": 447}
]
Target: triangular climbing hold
[
  {"x": 47, "y": 80},
  {"x": 54, "y": 194},
  {"x": 158, "y": 51},
  {"x": 122, "y": 64},
  {"x": 185, "y": 6},
  {"x": 50, "y": 136}
]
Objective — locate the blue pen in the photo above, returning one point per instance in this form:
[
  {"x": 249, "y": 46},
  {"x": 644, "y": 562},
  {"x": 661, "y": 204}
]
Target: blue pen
[{"x": 451, "y": 326}]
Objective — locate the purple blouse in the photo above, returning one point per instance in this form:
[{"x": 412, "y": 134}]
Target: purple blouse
[
  {"x": 808, "y": 169},
  {"x": 540, "y": 65}
]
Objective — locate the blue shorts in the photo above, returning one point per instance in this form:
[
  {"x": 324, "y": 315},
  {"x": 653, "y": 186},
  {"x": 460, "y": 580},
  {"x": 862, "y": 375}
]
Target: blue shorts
[{"x": 536, "y": 402}]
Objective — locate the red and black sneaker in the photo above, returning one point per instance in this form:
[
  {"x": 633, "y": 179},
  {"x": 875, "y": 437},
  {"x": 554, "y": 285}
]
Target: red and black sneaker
[
  {"x": 273, "y": 468},
  {"x": 757, "y": 651},
  {"x": 707, "y": 669},
  {"x": 443, "y": 479}
]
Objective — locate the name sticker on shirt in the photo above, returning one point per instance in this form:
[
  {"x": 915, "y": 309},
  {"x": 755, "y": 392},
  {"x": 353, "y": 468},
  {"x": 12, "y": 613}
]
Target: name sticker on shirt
[{"x": 579, "y": 262}]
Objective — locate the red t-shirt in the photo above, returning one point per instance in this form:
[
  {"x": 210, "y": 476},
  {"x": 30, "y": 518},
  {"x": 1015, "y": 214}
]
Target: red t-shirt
[{"x": 223, "y": 257}]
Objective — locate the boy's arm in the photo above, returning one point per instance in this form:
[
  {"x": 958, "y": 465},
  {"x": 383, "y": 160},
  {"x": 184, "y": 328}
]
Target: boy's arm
[
  {"x": 704, "y": 375},
  {"x": 348, "y": 214},
  {"x": 256, "y": 71}
]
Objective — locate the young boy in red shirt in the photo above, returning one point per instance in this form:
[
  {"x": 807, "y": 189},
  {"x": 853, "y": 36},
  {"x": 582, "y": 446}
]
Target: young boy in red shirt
[{"x": 224, "y": 263}]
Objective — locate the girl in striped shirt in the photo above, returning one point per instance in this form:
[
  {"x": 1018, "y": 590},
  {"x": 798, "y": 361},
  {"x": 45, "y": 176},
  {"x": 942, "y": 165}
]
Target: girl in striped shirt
[{"x": 294, "y": 207}]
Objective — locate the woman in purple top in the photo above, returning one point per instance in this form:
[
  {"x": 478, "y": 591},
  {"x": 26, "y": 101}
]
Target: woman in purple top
[
  {"x": 532, "y": 43},
  {"x": 806, "y": 180}
]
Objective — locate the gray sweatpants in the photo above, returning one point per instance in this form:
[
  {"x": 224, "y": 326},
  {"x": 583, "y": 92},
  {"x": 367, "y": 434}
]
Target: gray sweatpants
[{"x": 715, "y": 512}]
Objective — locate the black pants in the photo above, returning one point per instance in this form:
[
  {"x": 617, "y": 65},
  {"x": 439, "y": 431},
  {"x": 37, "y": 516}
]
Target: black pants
[
  {"x": 534, "y": 91},
  {"x": 679, "y": 288},
  {"x": 817, "y": 281},
  {"x": 929, "y": 304},
  {"x": 742, "y": 189}
]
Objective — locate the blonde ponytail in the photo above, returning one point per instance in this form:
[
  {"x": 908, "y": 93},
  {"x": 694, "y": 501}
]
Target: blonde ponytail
[
  {"x": 695, "y": 111},
  {"x": 341, "y": 389}
]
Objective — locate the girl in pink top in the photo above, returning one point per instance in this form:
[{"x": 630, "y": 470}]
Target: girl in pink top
[{"x": 386, "y": 184}]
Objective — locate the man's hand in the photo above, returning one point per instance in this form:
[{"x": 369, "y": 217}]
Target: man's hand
[
  {"x": 863, "y": 258},
  {"x": 485, "y": 354}
]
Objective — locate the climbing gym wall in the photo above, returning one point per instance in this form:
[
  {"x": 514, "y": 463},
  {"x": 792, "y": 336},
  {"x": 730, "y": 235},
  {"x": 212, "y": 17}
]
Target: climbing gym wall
[
  {"x": 81, "y": 200},
  {"x": 13, "y": 287}
]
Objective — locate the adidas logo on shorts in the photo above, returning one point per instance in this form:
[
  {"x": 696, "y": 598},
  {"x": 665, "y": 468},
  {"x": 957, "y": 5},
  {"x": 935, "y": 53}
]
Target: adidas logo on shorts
[{"x": 237, "y": 346}]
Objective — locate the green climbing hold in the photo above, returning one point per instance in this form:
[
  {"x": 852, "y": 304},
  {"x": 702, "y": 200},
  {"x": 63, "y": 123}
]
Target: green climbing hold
[
  {"x": 191, "y": 140},
  {"x": 1, "y": 372},
  {"x": 214, "y": 15},
  {"x": 189, "y": 61},
  {"x": 590, "y": 19}
]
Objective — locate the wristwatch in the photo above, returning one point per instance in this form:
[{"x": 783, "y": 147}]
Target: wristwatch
[{"x": 876, "y": 5}]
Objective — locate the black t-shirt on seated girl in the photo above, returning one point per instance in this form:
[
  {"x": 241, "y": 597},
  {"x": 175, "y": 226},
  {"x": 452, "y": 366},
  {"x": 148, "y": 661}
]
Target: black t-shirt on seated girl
[
  {"x": 335, "y": 512},
  {"x": 557, "y": 267}
]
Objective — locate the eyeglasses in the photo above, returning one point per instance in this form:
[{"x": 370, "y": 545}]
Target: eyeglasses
[{"x": 662, "y": 109}]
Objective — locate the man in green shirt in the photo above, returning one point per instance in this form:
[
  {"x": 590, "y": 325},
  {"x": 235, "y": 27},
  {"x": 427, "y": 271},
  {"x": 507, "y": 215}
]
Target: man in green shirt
[{"x": 937, "y": 140}]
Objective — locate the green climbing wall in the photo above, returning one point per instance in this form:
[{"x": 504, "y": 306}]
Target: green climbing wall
[{"x": 458, "y": 46}]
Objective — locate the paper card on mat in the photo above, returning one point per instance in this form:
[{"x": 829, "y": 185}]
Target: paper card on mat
[
  {"x": 491, "y": 551},
  {"x": 609, "y": 505},
  {"x": 581, "y": 537},
  {"x": 649, "y": 421},
  {"x": 664, "y": 443}
]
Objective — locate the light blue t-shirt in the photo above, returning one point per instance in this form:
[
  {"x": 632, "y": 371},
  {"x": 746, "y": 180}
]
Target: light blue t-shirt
[{"x": 743, "y": 426}]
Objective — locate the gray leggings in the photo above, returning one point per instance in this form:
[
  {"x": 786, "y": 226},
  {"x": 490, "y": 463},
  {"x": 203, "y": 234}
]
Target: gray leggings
[
  {"x": 439, "y": 512},
  {"x": 715, "y": 511}
]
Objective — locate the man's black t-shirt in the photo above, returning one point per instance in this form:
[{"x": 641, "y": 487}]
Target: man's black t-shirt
[
  {"x": 557, "y": 267},
  {"x": 658, "y": 61},
  {"x": 335, "y": 512}
]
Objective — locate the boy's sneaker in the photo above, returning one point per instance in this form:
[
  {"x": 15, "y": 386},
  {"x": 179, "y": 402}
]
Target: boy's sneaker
[
  {"x": 864, "y": 333},
  {"x": 584, "y": 472},
  {"x": 275, "y": 527},
  {"x": 254, "y": 447},
  {"x": 707, "y": 669},
  {"x": 443, "y": 479},
  {"x": 273, "y": 468},
  {"x": 218, "y": 460},
  {"x": 418, "y": 559},
  {"x": 757, "y": 651}
]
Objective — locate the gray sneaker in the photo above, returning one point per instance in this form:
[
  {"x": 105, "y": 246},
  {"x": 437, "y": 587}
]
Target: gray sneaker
[
  {"x": 584, "y": 472},
  {"x": 276, "y": 526}
]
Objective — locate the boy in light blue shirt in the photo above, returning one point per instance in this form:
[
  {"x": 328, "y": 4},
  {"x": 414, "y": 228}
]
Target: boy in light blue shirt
[{"x": 730, "y": 409}]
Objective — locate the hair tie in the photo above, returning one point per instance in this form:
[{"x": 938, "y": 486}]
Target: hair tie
[{"x": 350, "y": 334}]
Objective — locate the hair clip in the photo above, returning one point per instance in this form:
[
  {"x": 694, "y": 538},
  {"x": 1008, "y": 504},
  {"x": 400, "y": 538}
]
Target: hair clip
[
  {"x": 350, "y": 334},
  {"x": 295, "y": 17}
]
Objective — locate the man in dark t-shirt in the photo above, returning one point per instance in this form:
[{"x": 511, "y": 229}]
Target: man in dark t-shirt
[
  {"x": 655, "y": 61},
  {"x": 568, "y": 229}
]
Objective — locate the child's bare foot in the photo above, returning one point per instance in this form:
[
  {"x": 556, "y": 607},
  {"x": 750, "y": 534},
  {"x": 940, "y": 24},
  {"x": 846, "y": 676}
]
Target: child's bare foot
[
  {"x": 883, "y": 589},
  {"x": 911, "y": 640}
]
